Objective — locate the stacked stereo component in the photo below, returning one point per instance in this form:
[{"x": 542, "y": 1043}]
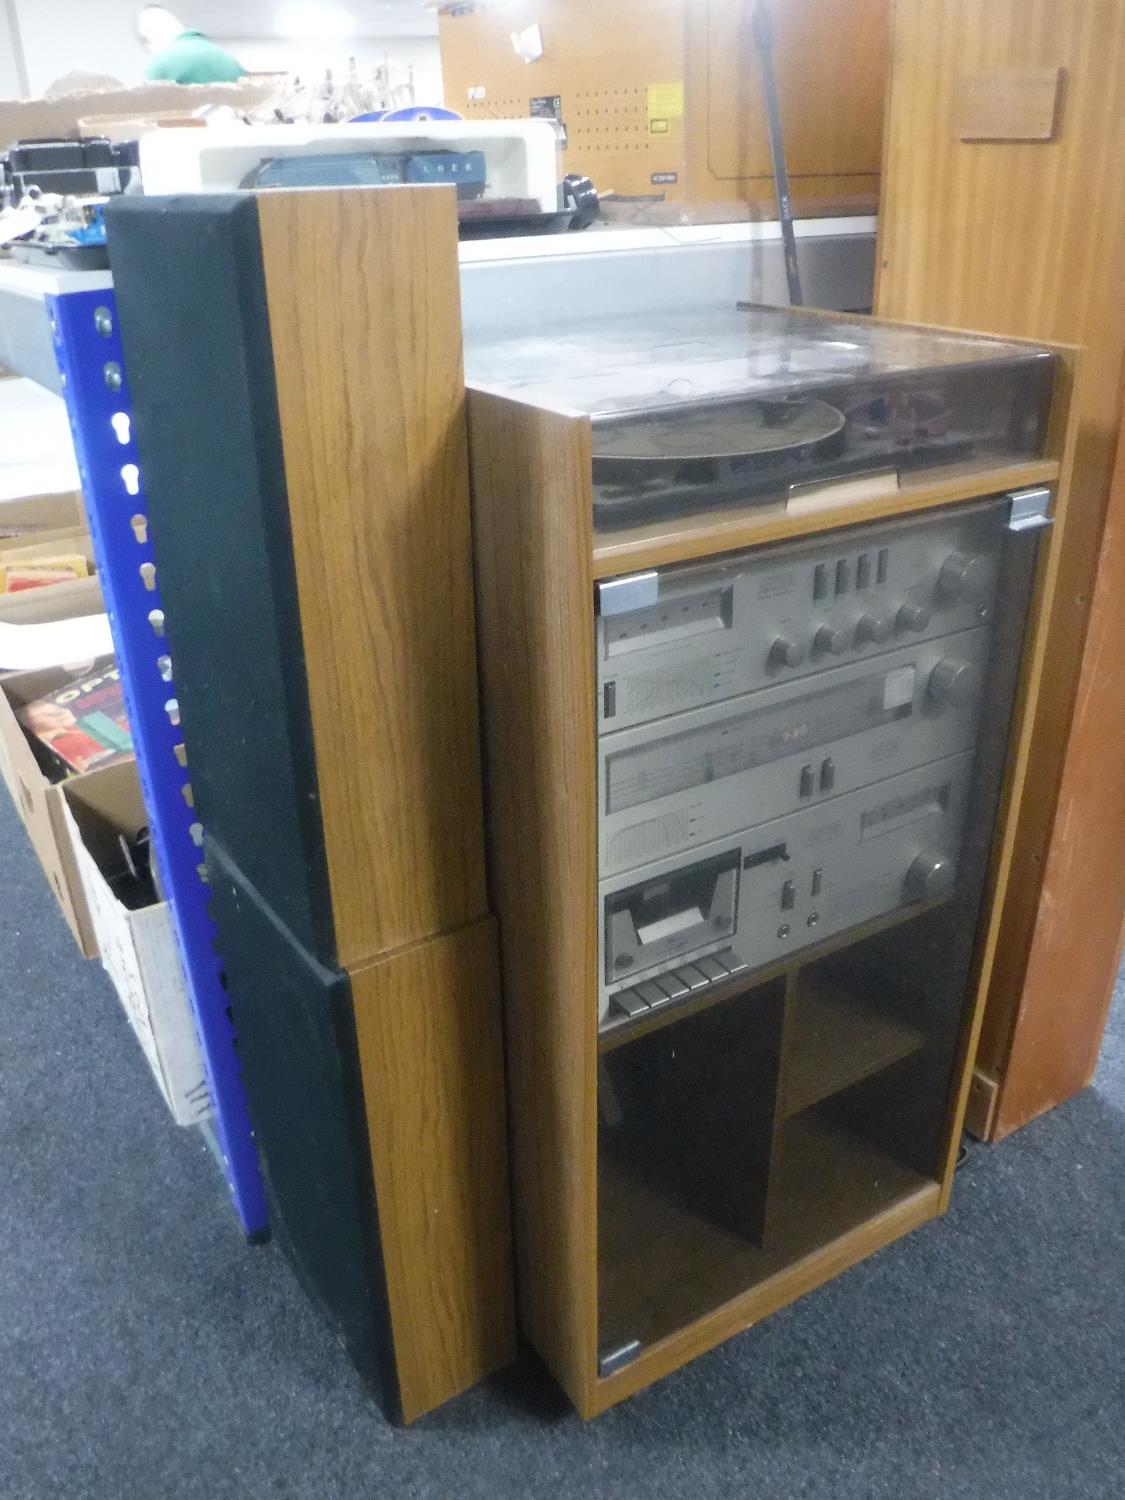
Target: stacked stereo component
[{"x": 786, "y": 741}]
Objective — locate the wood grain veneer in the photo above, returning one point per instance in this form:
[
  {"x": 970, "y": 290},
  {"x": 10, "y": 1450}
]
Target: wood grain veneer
[
  {"x": 532, "y": 505},
  {"x": 381, "y": 542},
  {"x": 830, "y": 60},
  {"x": 430, "y": 1054},
  {"x": 1028, "y": 238}
]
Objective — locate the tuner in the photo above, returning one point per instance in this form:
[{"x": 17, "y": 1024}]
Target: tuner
[
  {"x": 965, "y": 576},
  {"x": 952, "y": 681},
  {"x": 831, "y": 640},
  {"x": 929, "y": 875},
  {"x": 912, "y": 617},
  {"x": 873, "y": 628},
  {"x": 785, "y": 652}
]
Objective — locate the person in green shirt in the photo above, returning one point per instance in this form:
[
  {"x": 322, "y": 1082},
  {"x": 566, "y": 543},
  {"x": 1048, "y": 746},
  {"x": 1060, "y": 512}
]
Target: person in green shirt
[{"x": 180, "y": 55}]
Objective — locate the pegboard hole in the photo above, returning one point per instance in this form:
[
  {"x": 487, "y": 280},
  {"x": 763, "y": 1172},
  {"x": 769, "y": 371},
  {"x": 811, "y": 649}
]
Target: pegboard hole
[
  {"x": 172, "y": 709},
  {"x": 147, "y": 571},
  {"x": 164, "y": 667},
  {"x": 139, "y": 523},
  {"x": 156, "y": 620},
  {"x": 196, "y": 831},
  {"x": 187, "y": 794},
  {"x": 132, "y": 477},
  {"x": 122, "y": 427},
  {"x": 180, "y": 753}
]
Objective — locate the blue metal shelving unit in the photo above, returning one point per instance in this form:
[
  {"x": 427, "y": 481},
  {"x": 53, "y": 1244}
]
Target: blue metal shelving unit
[{"x": 95, "y": 387}]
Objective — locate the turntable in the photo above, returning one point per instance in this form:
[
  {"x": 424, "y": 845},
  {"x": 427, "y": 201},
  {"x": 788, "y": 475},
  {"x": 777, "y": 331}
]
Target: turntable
[{"x": 692, "y": 412}]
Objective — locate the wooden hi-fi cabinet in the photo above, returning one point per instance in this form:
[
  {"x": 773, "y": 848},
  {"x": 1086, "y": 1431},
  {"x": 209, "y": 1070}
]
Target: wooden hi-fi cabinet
[
  {"x": 299, "y": 400},
  {"x": 739, "y": 1041}
]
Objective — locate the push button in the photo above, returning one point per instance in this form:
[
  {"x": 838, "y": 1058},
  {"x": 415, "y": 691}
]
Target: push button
[
  {"x": 713, "y": 967},
  {"x": 842, "y": 576},
  {"x": 630, "y": 1003},
  {"x": 820, "y": 581},
  {"x": 807, "y": 784},
  {"x": 827, "y": 774},
  {"x": 863, "y": 571},
  {"x": 694, "y": 978},
  {"x": 672, "y": 986},
  {"x": 652, "y": 994},
  {"x": 788, "y": 896}
]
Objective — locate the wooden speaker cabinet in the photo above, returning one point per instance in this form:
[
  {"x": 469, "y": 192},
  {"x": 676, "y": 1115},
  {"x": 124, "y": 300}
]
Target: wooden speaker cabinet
[
  {"x": 758, "y": 598},
  {"x": 299, "y": 400}
]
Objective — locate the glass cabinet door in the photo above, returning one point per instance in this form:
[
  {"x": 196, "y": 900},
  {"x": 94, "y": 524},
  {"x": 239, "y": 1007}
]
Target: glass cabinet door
[{"x": 793, "y": 848}]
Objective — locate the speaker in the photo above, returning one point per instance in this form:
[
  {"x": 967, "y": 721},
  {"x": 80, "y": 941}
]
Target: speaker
[{"x": 295, "y": 364}]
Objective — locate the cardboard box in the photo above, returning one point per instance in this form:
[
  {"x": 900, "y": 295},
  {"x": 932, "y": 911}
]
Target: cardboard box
[
  {"x": 44, "y": 119},
  {"x": 41, "y": 517},
  {"x": 74, "y": 599},
  {"x": 55, "y": 601},
  {"x": 138, "y": 948},
  {"x": 131, "y": 127},
  {"x": 22, "y": 556},
  {"x": 40, "y": 803}
]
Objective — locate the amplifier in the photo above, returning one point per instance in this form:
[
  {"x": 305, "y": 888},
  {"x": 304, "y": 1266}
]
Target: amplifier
[
  {"x": 679, "y": 637},
  {"x": 694, "y": 776}
]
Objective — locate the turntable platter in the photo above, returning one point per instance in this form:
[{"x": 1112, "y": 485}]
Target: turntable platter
[{"x": 742, "y": 431}]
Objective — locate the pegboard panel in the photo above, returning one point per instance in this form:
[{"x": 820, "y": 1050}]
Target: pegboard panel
[
  {"x": 603, "y": 88},
  {"x": 601, "y": 60}
]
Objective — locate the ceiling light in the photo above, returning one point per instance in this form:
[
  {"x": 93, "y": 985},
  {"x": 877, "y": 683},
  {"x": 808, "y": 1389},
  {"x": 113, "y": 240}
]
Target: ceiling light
[{"x": 312, "y": 20}]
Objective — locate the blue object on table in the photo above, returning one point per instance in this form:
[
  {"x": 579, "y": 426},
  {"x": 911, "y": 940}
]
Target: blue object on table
[
  {"x": 91, "y": 364},
  {"x": 419, "y": 112},
  {"x": 93, "y": 231}
]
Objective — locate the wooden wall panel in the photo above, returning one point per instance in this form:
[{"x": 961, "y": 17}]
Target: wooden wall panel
[
  {"x": 1055, "y": 1035},
  {"x": 1028, "y": 238},
  {"x": 830, "y": 62}
]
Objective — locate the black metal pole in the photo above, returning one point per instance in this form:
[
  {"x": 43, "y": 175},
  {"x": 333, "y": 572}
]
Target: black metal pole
[{"x": 763, "y": 41}]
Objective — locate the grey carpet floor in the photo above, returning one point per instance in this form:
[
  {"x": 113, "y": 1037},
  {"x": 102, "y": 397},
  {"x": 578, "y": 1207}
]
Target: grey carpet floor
[{"x": 147, "y": 1351}]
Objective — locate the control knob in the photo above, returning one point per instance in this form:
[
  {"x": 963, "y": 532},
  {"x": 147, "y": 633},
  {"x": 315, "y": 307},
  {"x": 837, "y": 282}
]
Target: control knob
[
  {"x": 874, "y": 629},
  {"x": 912, "y": 617},
  {"x": 831, "y": 640},
  {"x": 929, "y": 875},
  {"x": 952, "y": 681},
  {"x": 786, "y": 652},
  {"x": 965, "y": 577}
]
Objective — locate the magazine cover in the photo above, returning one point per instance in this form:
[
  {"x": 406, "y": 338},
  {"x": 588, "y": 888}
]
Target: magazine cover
[{"x": 83, "y": 724}]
